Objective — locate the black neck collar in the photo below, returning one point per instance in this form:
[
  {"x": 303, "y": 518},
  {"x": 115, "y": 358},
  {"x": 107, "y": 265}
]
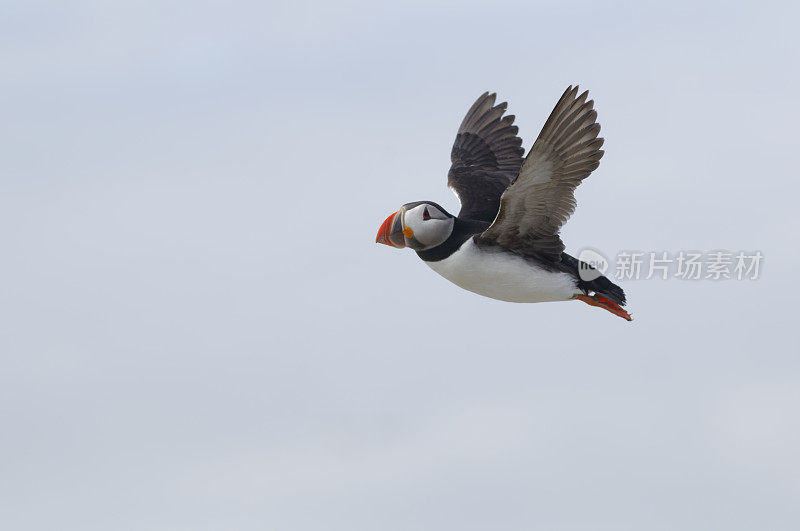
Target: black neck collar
[{"x": 463, "y": 229}]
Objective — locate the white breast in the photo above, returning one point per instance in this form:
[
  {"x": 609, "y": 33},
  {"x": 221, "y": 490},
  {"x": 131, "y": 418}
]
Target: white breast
[{"x": 503, "y": 276}]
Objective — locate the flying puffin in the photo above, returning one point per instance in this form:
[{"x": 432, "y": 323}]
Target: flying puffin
[{"x": 504, "y": 243}]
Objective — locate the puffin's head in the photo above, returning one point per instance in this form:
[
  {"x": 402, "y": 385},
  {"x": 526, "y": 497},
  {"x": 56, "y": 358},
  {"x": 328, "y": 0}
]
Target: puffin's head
[{"x": 420, "y": 225}]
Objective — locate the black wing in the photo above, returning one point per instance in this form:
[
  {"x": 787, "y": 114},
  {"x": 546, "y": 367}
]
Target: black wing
[
  {"x": 486, "y": 158},
  {"x": 543, "y": 196}
]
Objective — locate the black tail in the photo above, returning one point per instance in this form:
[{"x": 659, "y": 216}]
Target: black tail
[{"x": 602, "y": 286}]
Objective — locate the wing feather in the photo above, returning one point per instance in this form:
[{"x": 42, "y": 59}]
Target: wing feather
[
  {"x": 542, "y": 197},
  {"x": 486, "y": 158}
]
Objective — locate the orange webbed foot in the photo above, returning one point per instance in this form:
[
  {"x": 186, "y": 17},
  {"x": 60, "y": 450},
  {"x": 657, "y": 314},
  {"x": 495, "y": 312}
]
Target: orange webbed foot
[{"x": 602, "y": 302}]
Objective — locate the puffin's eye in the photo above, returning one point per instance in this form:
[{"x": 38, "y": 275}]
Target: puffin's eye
[{"x": 425, "y": 214}]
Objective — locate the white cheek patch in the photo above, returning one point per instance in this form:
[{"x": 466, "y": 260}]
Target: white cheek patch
[{"x": 429, "y": 232}]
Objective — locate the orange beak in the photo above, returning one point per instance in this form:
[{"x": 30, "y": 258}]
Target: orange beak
[{"x": 391, "y": 231}]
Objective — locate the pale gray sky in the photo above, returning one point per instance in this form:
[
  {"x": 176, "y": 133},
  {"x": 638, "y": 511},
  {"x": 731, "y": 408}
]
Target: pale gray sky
[{"x": 198, "y": 332}]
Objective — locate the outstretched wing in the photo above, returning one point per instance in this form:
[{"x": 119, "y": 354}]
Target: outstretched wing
[
  {"x": 535, "y": 207},
  {"x": 486, "y": 158}
]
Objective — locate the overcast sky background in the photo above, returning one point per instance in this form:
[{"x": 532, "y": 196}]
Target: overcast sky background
[{"x": 198, "y": 332}]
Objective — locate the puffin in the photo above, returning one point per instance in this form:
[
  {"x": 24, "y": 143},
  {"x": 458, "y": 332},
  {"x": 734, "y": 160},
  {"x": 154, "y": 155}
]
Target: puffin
[{"x": 504, "y": 243}]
